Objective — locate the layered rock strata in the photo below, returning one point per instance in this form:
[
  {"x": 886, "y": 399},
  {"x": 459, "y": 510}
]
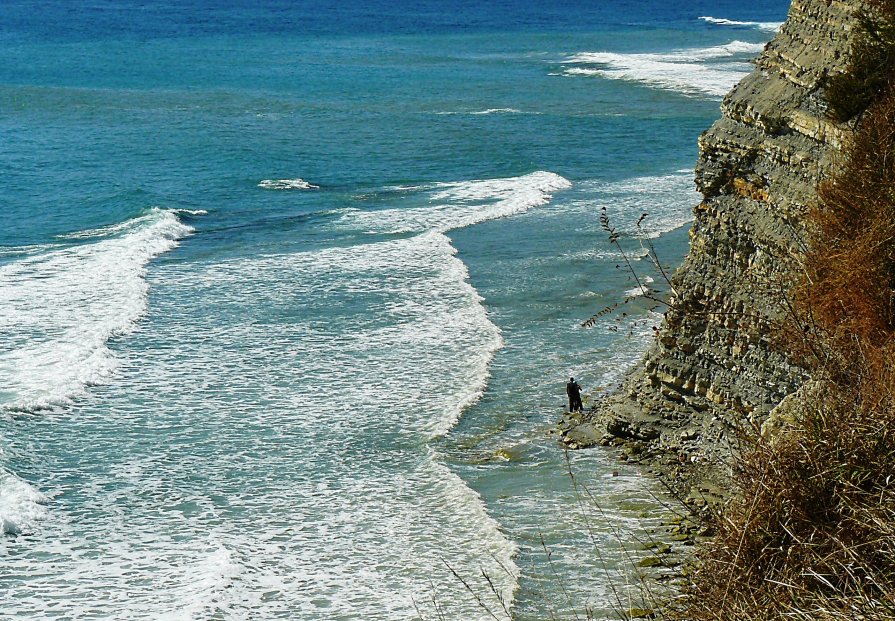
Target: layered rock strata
[{"x": 714, "y": 366}]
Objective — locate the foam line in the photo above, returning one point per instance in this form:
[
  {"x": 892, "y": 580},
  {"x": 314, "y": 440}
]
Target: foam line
[
  {"x": 286, "y": 184},
  {"x": 695, "y": 71},
  {"x": 497, "y": 111},
  {"x": 720, "y": 21},
  {"x": 457, "y": 205},
  {"x": 66, "y": 303},
  {"x": 486, "y": 112}
]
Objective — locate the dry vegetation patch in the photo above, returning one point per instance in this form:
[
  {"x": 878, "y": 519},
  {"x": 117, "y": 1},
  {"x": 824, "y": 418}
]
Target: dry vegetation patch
[{"x": 811, "y": 533}]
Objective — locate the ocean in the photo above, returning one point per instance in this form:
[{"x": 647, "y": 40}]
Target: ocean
[{"x": 289, "y": 293}]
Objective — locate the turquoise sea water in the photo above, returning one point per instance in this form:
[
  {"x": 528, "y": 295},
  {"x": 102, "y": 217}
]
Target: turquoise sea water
[{"x": 289, "y": 292}]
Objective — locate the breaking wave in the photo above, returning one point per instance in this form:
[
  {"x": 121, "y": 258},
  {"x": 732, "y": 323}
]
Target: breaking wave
[
  {"x": 457, "y": 205},
  {"x": 287, "y": 184},
  {"x": 720, "y": 21},
  {"x": 711, "y": 71},
  {"x": 65, "y": 303}
]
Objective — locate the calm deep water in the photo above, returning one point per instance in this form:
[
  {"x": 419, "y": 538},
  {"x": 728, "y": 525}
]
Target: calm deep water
[{"x": 289, "y": 292}]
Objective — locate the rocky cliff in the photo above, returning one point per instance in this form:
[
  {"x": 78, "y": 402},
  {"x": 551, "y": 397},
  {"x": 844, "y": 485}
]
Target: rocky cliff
[{"x": 714, "y": 366}]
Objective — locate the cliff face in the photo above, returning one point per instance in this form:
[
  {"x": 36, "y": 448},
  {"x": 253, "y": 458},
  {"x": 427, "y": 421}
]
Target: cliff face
[{"x": 713, "y": 365}]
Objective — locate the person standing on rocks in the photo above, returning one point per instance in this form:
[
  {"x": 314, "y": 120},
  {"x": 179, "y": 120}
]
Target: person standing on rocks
[{"x": 574, "y": 392}]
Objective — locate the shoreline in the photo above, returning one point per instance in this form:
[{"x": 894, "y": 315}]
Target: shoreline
[
  {"x": 721, "y": 371},
  {"x": 661, "y": 563}
]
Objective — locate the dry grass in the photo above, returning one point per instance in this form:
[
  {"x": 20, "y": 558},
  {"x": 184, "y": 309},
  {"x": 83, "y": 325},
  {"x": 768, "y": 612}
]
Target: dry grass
[
  {"x": 846, "y": 308},
  {"x": 811, "y": 534}
]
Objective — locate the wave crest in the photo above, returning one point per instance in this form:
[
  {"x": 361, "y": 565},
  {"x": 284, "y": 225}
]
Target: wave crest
[
  {"x": 696, "y": 71},
  {"x": 458, "y": 205},
  {"x": 287, "y": 184},
  {"x": 721, "y": 21},
  {"x": 66, "y": 303}
]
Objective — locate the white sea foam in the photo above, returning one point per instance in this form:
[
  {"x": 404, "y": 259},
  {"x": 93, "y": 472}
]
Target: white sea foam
[
  {"x": 695, "y": 71},
  {"x": 12, "y": 251},
  {"x": 720, "y": 21},
  {"x": 643, "y": 289},
  {"x": 430, "y": 316},
  {"x": 102, "y": 231},
  {"x": 486, "y": 112},
  {"x": 59, "y": 308},
  {"x": 725, "y": 51},
  {"x": 411, "y": 353},
  {"x": 288, "y": 452},
  {"x": 190, "y": 212},
  {"x": 114, "y": 229},
  {"x": 212, "y": 587},
  {"x": 283, "y": 472},
  {"x": 287, "y": 184},
  {"x": 21, "y": 506},
  {"x": 457, "y": 205},
  {"x": 667, "y": 201},
  {"x": 497, "y": 111}
]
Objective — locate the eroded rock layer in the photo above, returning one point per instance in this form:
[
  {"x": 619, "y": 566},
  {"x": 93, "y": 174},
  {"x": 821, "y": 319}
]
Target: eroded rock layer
[{"x": 714, "y": 365}]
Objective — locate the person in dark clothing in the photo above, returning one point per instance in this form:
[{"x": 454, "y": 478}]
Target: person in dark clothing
[{"x": 574, "y": 392}]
